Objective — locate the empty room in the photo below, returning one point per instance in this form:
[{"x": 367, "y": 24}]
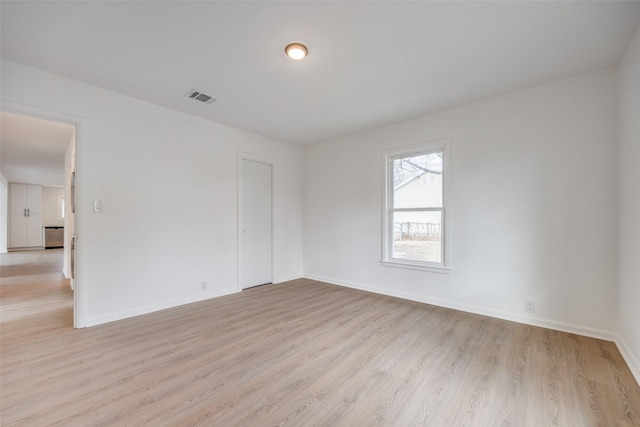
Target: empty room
[{"x": 320, "y": 213}]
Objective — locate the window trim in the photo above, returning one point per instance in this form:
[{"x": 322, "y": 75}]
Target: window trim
[{"x": 387, "y": 208}]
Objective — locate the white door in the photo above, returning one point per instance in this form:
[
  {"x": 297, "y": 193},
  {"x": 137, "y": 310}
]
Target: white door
[
  {"x": 34, "y": 215},
  {"x": 18, "y": 197},
  {"x": 256, "y": 222},
  {"x": 34, "y": 198},
  {"x": 34, "y": 229},
  {"x": 18, "y": 217},
  {"x": 26, "y": 215},
  {"x": 18, "y": 231}
]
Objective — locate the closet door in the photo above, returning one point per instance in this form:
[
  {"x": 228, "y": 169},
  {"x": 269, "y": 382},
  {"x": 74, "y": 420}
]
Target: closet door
[
  {"x": 34, "y": 198},
  {"x": 257, "y": 231},
  {"x": 34, "y": 229},
  {"x": 18, "y": 197},
  {"x": 18, "y": 230},
  {"x": 26, "y": 215},
  {"x": 18, "y": 217},
  {"x": 34, "y": 215}
]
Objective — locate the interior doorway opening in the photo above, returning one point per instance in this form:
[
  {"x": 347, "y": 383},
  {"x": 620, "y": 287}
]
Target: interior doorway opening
[
  {"x": 34, "y": 290},
  {"x": 38, "y": 159}
]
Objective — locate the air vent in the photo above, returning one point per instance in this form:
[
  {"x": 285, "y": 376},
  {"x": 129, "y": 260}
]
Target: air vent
[{"x": 199, "y": 96}]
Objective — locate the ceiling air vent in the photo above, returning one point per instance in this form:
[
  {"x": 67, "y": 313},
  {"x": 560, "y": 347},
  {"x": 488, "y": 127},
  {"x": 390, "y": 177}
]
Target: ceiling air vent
[{"x": 199, "y": 96}]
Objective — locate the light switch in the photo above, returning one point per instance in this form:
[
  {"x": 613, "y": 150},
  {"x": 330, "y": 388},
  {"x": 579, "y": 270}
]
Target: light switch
[{"x": 97, "y": 206}]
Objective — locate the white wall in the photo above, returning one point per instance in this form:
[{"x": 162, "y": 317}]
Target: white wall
[
  {"x": 52, "y": 206},
  {"x": 629, "y": 225},
  {"x": 533, "y": 197},
  {"x": 168, "y": 183}
]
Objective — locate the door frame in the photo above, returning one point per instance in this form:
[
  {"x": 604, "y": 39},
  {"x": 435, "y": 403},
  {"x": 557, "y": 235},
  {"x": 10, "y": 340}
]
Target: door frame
[
  {"x": 79, "y": 297},
  {"x": 242, "y": 156}
]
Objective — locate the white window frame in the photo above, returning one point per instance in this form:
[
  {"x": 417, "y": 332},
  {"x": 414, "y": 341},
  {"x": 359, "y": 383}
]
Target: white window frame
[{"x": 387, "y": 210}]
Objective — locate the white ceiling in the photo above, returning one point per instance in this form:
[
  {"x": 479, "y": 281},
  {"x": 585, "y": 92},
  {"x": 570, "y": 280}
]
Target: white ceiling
[
  {"x": 370, "y": 63},
  {"x": 32, "y": 150}
]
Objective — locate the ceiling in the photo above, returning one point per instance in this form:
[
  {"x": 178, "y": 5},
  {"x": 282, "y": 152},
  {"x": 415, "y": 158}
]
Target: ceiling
[
  {"x": 370, "y": 63},
  {"x": 32, "y": 150}
]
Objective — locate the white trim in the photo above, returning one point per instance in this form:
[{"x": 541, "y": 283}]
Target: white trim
[
  {"x": 632, "y": 362},
  {"x": 443, "y": 145},
  {"x": 286, "y": 278},
  {"x": 498, "y": 314},
  {"x": 139, "y": 311},
  {"x": 79, "y": 294},
  {"x": 255, "y": 158},
  {"x": 416, "y": 266},
  {"x": 28, "y": 248}
]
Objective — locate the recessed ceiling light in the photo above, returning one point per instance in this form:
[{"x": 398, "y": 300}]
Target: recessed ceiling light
[{"x": 296, "y": 50}]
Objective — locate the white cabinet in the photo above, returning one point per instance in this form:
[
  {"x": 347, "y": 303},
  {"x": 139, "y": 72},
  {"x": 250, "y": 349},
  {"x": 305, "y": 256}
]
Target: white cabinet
[{"x": 26, "y": 215}]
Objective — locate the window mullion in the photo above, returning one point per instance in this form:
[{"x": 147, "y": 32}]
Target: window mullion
[{"x": 416, "y": 210}]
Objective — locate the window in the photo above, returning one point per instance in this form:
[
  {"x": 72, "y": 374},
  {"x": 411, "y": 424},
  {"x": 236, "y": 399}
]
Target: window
[{"x": 415, "y": 216}]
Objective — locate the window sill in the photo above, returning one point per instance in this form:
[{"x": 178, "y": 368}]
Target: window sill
[{"x": 420, "y": 267}]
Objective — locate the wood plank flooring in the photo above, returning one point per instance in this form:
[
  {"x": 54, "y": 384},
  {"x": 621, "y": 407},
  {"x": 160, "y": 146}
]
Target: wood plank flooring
[{"x": 300, "y": 353}]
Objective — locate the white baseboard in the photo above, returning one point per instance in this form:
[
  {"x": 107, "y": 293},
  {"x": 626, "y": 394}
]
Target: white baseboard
[
  {"x": 513, "y": 317},
  {"x": 28, "y": 248},
  {"x": 138, "y": 311},
  {"x": 629, "y": 357},
  {"x": 287, "y": 278}
]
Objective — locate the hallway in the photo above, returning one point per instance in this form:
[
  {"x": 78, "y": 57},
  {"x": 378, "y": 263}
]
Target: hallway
[{"x": 34, "y": 295}]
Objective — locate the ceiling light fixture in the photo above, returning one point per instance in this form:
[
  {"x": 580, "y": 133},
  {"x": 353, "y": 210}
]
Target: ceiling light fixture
[{"x": 296, "y": 50}]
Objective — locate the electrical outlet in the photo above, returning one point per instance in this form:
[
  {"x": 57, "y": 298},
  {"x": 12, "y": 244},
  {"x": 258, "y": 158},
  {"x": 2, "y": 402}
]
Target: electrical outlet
[
  {"x": 203, "y": 286},
  {"x": 529, "y": 306}
]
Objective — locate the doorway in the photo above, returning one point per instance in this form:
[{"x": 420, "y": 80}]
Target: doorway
[
  {"x": 255, "y": 221},
  {"x": 34, "y": 290},
  {"x": 38, "y": 149}
]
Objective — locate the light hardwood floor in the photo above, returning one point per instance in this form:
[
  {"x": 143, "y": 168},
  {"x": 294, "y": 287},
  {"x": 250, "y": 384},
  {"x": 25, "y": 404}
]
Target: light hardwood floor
[{"x": 297, "y": 353}]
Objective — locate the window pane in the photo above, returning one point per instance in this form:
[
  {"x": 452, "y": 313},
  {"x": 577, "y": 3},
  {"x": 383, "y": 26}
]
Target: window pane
[
  {"x": 417, "y": 236},
  {"x": 417, "y": 181}
]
